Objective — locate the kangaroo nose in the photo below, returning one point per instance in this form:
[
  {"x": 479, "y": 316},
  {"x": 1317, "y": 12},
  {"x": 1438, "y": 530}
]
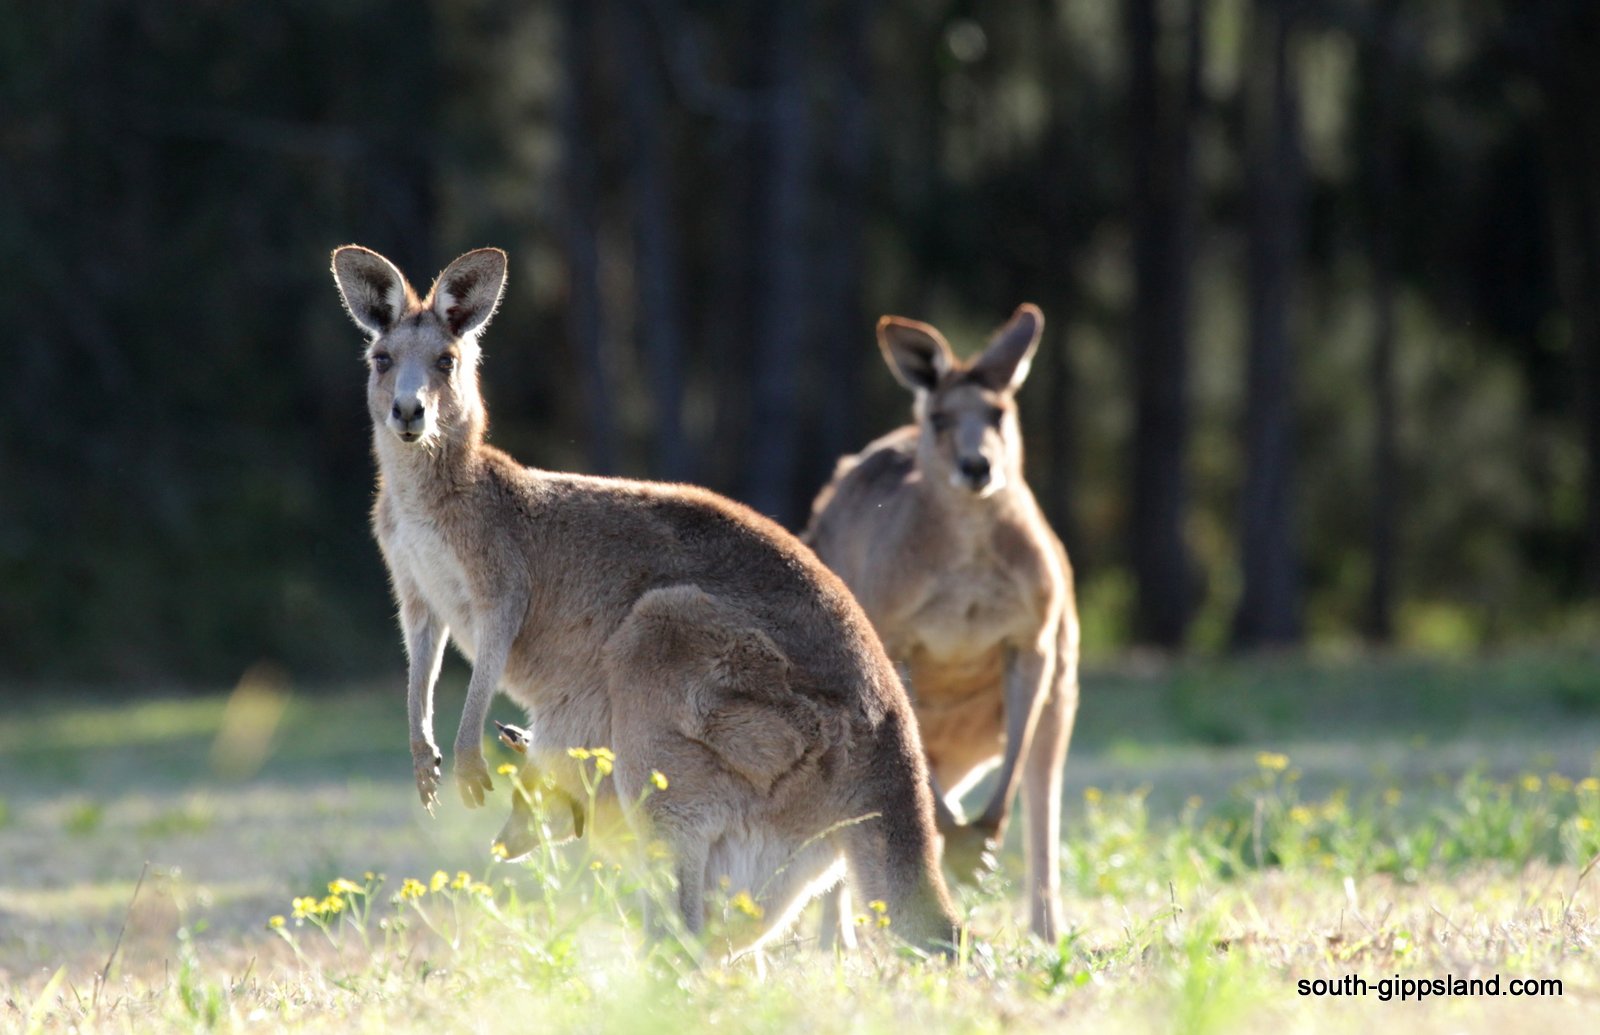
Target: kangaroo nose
[
  {"x": 975, "y": 468},
  {"x": 408, "y": 410}
]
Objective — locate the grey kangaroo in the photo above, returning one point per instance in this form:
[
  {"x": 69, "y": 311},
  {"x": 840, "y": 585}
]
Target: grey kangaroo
[
  {"x": 934, "y": 529},
  {"x": 684, "y": 631}
]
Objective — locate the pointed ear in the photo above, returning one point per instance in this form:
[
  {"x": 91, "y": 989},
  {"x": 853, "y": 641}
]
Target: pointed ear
[
  {"x": 467, "y": 292},
  {"x": 1005, "y": 362},
  {"x": 917, "y": 354},
  {"x": 374, "y": 291}
]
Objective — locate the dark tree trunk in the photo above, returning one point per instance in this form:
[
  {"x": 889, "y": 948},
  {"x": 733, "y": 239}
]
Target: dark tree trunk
[
  {"x": 844, "y": 334},
  {"x": 1163, "y": 104},
  {"x": 784, "y": 162},
  {"x": 1062, "y": 155},
  {"x": 581, "y": 231},
  {"x": 655, "y": 246},
  {"x": 1568, "y": 64},
  {"x": 728, "y": 317},
  {"x": 1269, "y": 612},
  {"x": 1379, "y": 622}
]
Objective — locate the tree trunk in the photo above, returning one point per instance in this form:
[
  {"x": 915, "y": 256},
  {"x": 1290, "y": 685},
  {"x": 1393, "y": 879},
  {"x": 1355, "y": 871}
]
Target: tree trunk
[
  {"x": 784, "y": 149},
  {"x": 1569, "y": 68},
  {"x": 656, "y": 255},
  {"x": 581, "y": 232},
  {"x": 844, "y": 334},
  {"x": 1382, "y": 194},
  {"x": 1162, "y": 106},
  {"x": 1269, "y": 611}
]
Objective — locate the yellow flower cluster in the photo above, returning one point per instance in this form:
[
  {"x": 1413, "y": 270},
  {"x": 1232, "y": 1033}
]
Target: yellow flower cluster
[
  {"x": 310, "y": 907},
  {"x": 412, "y": 889},
  {"x": 658, "y": 780},
  {"x": 1589, "y": 785},
  {"x": 746, "y": 905},
  {"x": 881, "y": 908},
  {"x": 1272, "y": 761},
  {"x": 604, "y": 760}
]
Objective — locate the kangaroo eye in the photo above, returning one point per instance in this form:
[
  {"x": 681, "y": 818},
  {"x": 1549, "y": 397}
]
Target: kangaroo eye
[
  {"x": 446, "y": 363},
  {"x": 940, "y": 421},
  {"x": 995, "y": 416},
  {"x": 381, "y": 361}
]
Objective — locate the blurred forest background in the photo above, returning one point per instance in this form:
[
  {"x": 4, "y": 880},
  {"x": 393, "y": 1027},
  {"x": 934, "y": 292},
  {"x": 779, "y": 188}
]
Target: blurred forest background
[{"x": 1322, "y": 280}]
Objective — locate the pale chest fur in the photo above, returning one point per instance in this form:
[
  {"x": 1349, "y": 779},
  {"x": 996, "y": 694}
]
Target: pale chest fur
[
  {"x": 421, "y": 556},
  {"x": 962, "y": 614}
]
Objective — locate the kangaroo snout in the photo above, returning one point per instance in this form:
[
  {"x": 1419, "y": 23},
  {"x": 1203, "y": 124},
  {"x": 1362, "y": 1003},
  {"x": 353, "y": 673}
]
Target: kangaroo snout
[
  {"x": 975, "y": 469},
  {"x": 409, "y": 417}
]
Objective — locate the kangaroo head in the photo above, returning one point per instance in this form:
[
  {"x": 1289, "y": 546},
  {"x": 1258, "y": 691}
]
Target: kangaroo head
[
  {"x": 967, "y": 410},
  {"x": 423, "y": 353}
]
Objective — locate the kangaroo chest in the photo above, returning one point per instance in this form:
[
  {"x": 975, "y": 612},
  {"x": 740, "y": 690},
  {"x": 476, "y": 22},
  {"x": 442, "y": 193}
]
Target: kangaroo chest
[
  {"x": 967, "y": 612},
  {"x": 421, "y": 555}
]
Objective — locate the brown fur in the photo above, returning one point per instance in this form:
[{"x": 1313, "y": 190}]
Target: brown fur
[
  {"x": 934, "y": 529},
  {"x": 684, "y": 631}
]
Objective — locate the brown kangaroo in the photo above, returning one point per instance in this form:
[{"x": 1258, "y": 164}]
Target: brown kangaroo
[
  {"x": 934, "y": 529},
  {"x": 684, "y": 631}
]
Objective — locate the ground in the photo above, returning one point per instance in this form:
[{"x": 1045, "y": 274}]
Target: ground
[{"x": 1231, "y": 830}]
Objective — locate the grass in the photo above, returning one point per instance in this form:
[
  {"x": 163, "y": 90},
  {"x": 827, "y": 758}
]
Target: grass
[{"x": 1231, "y": 830}]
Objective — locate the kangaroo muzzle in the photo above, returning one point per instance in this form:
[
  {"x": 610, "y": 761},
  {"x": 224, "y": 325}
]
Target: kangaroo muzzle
[{"x": 409, "y": 418}]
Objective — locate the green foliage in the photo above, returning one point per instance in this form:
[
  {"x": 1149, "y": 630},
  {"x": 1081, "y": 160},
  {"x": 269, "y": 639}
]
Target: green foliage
[{"x": 84, "y": 818}]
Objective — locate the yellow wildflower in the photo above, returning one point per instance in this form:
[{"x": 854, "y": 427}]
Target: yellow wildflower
[
  {"x": 463, "y": 879},
  {"x": 499, "y": 851},
  {"x": 1300, "y": 816},
  {"x": 345, "y": 886},
  {"x": 304, "y": 906},
  {"x": 275, "y": 923},
  {"x": 1531, "y": 783},
  {"x": 332, "y": 905},
  {"x": 878, "y": 906},
  {"x": 579, "y": 753},
  {"x": 438, "y": 880},
  {"x": 657, "y": 779},
  {"x": 1585, "y": 824},
  {"x": 412, "y": 888},
  {"x": 1589, "y": 785},
  {"x": 1091, "y": 795},
  {"x": 506, "y": 769},
  {"x": 746, "y": 905},
  {"x": 1272, "y": 761}
]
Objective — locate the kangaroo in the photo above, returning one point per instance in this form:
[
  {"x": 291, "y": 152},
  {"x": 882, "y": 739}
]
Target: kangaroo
[
  {"x": 934, "y": 529},
  {"x": 686, "y": 632}
]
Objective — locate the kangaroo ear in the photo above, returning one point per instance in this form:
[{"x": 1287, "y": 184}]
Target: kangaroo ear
[
  {"x": 374, "y": 291},
  {"x": 917, "y": 354},
  {"x": 467, "y": 292},
  {"x": 1005, "y": 362}
]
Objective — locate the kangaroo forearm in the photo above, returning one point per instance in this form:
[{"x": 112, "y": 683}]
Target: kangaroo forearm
[
  {"x": 1027, "y": 687},
  {"x": 425, "y": 642}
]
